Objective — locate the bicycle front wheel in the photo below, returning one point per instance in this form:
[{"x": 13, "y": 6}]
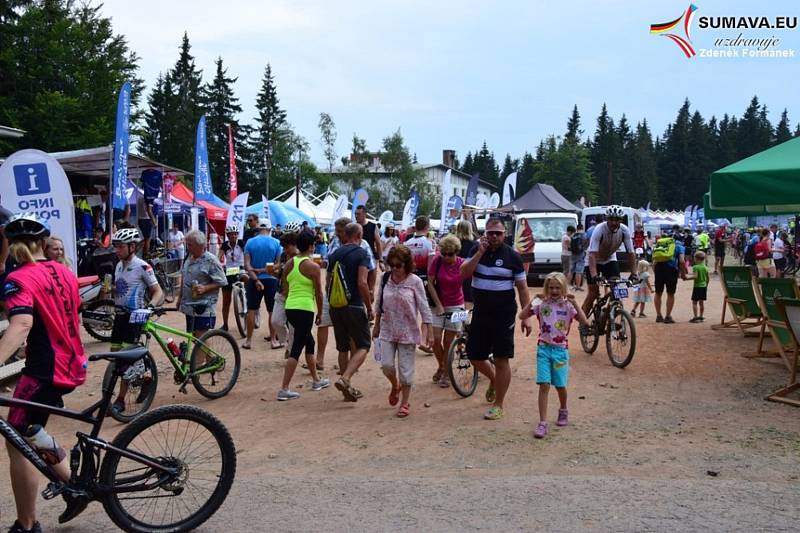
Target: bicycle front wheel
[
  {"x": 239, "y": 310},
  {"x": 136, "y": 388},
  {"x": 620, "y": 337},
  {"x": 589, "y": 341},
  {"x": 215, "y": 363},
  {"x": 191, "y": 440},
  {"x": 463, "y": 375}
]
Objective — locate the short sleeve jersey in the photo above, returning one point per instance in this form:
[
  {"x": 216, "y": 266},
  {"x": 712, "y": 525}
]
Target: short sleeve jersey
[
  {"x": 606, "y": 243},
  {"x": 495, "y": 276},
  {"x": 132, "y": 279},
  {"x": 421, "y": 248},
  {"x": 48, "y": 291},
  {"x": 555, "y": 318},
  {"x": 351, "y": 257},
  {"x": 700, "y": 275},
  {"x": 234, "y": 255},
  {"x": 262, "y": 250},
  {"x": 449, "y": 284}
]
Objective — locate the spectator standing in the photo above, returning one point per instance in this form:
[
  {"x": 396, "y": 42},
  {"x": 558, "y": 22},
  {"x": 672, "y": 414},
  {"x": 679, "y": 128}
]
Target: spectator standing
[
  {"x": 566, "y": 252},
  {"x": 466, "y": 235},
  {"x": 202, "y": 278},
  {"x": 577, "y": 261},
  {"x": 667, "y": 268},
  {"x": 260, "y": 255}
]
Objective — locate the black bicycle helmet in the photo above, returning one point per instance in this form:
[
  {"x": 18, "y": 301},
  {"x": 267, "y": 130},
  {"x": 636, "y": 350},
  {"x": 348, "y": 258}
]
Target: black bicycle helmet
[{"x": 27, "y": 225}]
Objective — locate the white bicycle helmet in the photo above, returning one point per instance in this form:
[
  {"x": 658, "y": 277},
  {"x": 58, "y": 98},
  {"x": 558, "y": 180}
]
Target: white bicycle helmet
[
  {"x": 614, "y": 211},
  {"x": 26, "y": 225},
  {"x": 231, "y": 229},
  {"x": 291, "y": 227},
  {"x": 127, "y": 236}
]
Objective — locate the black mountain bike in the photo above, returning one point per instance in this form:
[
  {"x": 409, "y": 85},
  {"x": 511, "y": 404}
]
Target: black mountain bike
[
  {"x": 463, "y": 375},
  {"x": 169, "y": 470},
  {"x": 608, "y": 317}
]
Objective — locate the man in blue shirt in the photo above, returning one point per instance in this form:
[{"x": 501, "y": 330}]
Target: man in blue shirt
[
  {"x": 260, "y": 255},
  {"x": 666, "y": 275}
]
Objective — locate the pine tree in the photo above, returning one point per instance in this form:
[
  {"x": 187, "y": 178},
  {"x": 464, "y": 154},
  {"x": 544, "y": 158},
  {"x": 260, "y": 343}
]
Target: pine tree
[
  {"x": 699, "y": 163},
  {"x": 468, "y": 166},
  {"x": 797, "y": 130},
  {"x": 525, "y": 178},
  {"x": 222, "y": 107},
  {"x": 755, "y": 131},
  {"x": 484, "y": 163},
  {"x": 573, "y": 127},
  {"x": 156, "y": 120},
  {"x": 673, "y": 164},
  {"x": 509, "y": 166},
  {"x": 265, "y": 141},
  {"x": 642, "y": 161},
  {"x": 185, "y": 107},
  {"x": 725, "y": 149},
  {"x": 624, "y": 180},
  {"x": 604, "y": 152},
  {"x": 782, "y": 131}
]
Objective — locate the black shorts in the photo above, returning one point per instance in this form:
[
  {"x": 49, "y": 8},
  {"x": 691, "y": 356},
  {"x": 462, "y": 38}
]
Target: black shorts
[
  {"x": 699, "y": 294},
  {"x": 200, "y": 323},
  {"x": 254, "y": 295},
  {"x": 350, "y": 323},
  {"x": 231, "y": 281},
  {"x": 608, "y": 271},
  {"x": 123, "y": 331},
  {"x": 492, "y": 332},
  {"x": 146, "y": 225},
  {"x": 38, "y": 391},
  {"x": 719, "y": 249},
  {"x": 780, "y": 264},
  {"x": 666, "y": 276}
]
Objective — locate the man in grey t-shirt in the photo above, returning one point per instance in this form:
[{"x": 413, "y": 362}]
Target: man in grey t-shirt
[{"x": 202, "y": 278}]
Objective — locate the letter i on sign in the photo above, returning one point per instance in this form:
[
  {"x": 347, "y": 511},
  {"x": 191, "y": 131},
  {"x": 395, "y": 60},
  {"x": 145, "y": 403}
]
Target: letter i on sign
[{"x": 31, "y": 179}]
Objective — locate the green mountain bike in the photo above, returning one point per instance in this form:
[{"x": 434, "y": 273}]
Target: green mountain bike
[{"x": 211, "y": 363}]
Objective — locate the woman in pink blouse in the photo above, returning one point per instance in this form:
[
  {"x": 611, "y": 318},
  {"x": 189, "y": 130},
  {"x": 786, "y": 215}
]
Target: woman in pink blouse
[
  {"x": 400, "y": 299},
  {"x": 445, "y": 285}
]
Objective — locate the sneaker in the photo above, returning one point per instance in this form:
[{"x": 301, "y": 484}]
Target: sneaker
[
  {"x": 541, "y": 430},
  {"x": 642, "y": 315},
  {"x": 286, "y": 394},
  {"x": 700, "y": 318},
  {"x": 659, "y": 318},
  {"x": 563, "y": 417},
  {"x": 17, "y": 528},
  {"x": 321, "y": 384},
  {"x": 494, "y": 413},
  {"x": 668, "y": 320},
  {"x": 491, "y": 395},
  {"x": 694, "y": 320}
]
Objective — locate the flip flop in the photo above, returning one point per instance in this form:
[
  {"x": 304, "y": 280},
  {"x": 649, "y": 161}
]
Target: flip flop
[
  {"x": 403, "y": 411},
  {"x": 394, "y": 396},
  {"x": 278, "y": 347}
]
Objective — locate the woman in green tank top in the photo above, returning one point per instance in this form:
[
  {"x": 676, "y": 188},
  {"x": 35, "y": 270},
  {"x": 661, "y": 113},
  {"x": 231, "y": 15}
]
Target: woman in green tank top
[{"x": 302, "y": 286}]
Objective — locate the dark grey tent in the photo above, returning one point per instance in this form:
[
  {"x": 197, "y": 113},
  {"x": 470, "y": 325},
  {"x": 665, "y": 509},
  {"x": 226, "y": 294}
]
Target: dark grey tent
[{"x": 541, "y": 198}]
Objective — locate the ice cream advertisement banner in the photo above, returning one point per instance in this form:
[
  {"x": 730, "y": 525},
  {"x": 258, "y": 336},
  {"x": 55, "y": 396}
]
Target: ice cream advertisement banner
[{"x": 33, "y": 182}]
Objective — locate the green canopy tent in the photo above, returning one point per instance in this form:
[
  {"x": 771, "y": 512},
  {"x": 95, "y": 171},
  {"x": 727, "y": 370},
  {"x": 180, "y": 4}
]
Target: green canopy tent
[
  {"x": 765, "y": 183},
  {"x": 710, "y": 213}
]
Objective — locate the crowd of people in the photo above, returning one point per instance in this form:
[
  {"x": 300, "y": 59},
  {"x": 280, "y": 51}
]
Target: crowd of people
[{"x": 386, "y": 291}]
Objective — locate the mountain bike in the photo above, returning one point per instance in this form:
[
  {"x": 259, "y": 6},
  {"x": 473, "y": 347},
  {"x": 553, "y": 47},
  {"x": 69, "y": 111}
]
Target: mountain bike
[
  {"x": 463, "y": 374},
  {"x": 211, "y": 363},
  {"x": 167, "y": 269},
  {"x": 170, "y": 470},
  {"x": 239, "y": 300},
  {"x": 608, "y": 317}
]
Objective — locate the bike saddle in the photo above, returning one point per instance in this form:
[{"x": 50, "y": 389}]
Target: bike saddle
[{"x": 128, "y": 355}]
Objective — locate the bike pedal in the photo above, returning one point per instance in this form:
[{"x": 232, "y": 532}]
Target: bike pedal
[{"x": 53, "y": 489}]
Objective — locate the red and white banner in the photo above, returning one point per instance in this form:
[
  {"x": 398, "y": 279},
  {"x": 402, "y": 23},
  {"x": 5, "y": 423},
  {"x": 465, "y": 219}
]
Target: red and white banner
[{"x": 232, "y": 165}]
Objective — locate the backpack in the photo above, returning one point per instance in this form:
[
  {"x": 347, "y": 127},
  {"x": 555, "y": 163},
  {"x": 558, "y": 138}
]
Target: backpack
[
  {"x": 577, "y": 244},
  {"x": 340, "y": 294},
  {"x": 750, "y": 255},
  {"x": 762, "y": 250},
  {"x": 664, "y": 250}
]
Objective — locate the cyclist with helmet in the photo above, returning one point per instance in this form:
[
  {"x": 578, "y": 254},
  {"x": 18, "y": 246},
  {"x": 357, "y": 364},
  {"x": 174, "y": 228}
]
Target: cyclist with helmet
[
  {"x": 231, "y": 255},
  {"x": 42, "y": 301},
  {"x": 606, "y": 239},
  {"x": 135, "y": 287}
]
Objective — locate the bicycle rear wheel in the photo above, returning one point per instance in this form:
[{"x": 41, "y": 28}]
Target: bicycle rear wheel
[
  {"x": 620, "y": 337},
  {"x": 239, "y": 309},
  {"x": 187, "y": 438},
  {"x": 216, "y": 350},
  {"x": 167, "y": 285},
  {"x": 98, "y": 319},
  {"x": 138, "y": 385},
  {"x": 463, "y": 375}
]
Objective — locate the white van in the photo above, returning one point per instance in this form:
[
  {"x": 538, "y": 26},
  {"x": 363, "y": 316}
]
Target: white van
[{"x": 547, "y": 229}]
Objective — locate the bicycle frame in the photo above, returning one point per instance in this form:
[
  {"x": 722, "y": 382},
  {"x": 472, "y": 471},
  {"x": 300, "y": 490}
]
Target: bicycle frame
[
  {"x": 86, "y": 442},
  {"x": 152, "y": 329}
]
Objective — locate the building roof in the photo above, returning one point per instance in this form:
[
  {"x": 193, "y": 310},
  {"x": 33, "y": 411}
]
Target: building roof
[
  {"x": 96, "y": 162},
  {"x": 380, "y": 169},
  {"x": 14, "y": 133}
]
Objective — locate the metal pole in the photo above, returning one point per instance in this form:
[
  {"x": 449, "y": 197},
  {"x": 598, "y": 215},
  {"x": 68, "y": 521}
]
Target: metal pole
[
  {"x": 297, "y": 181},
  {"x": 110, "y": 194}
]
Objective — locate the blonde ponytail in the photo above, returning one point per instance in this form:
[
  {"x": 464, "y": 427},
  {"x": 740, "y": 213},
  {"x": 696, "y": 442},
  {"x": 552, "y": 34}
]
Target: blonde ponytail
[{"x": 23, "y": 251}]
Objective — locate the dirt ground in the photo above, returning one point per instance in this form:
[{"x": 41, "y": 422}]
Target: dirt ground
[{"x": 682, "y": 439}]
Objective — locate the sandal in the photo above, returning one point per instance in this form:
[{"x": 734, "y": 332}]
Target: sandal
[
  {"x": 278, "y": 346},
  {"x": 394, "y": 396},
  {"x": 491, "y": 395},
  {"x": 437, "y": 375},
  {"x": 444, "y": 381},
  {"x": 403, "y": 411},
  {"x": 347, "y": 391},
  {"x": 246, "y": 346}
]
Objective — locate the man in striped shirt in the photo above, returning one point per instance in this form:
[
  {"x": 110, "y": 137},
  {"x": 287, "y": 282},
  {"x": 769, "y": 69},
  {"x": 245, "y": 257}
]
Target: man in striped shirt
[{"x": 496, "y": 270}]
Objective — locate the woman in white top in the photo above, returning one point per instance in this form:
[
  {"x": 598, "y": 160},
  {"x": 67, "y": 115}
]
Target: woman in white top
[
  {"x": 389, "y": 240},
  {"x": 175, "y": 241},
  {"x": 778, "y": 252}
]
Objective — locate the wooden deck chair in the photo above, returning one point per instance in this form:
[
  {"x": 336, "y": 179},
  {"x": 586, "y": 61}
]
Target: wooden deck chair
[
  {"x": 737, "y": 286},
  {"x": 767, "y": 291},
  {"x": 789, "y": 308}
]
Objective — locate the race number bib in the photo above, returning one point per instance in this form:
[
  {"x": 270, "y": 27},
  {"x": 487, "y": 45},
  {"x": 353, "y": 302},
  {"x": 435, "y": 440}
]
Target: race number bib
[
  {"x": 233, "y": 271},
  {"x": 458, "y": 316},
  {"x": 140, "y": 316}
]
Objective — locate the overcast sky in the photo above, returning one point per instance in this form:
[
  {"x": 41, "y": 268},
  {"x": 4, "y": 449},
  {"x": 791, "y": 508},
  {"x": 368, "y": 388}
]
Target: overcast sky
[{"x": 453, "y": 74}]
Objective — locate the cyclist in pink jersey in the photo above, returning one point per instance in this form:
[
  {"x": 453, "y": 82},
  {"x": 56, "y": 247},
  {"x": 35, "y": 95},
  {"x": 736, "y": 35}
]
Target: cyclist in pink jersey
[{"x": 42, "y": 303}]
